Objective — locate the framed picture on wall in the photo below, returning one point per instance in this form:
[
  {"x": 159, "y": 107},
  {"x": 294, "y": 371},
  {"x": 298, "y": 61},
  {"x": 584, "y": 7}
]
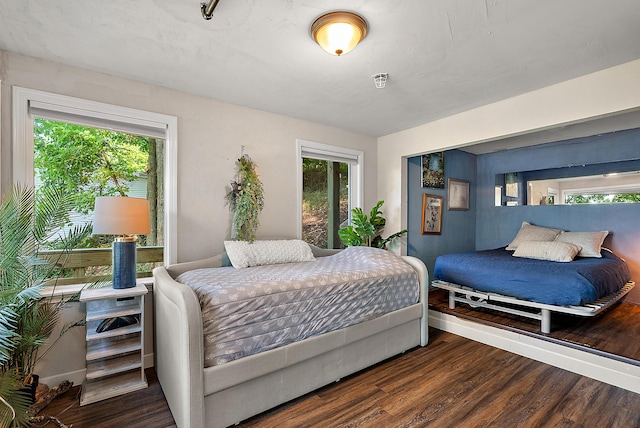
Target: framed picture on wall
[
  {"x": 433, "y": 170},
  {"x": 431, "y": 214},
  {"x": 511, "y": 184},
  {"x": 457, "y": 194}
]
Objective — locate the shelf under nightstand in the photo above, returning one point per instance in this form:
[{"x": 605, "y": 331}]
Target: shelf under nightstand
[{"x": 115, "y": 358}]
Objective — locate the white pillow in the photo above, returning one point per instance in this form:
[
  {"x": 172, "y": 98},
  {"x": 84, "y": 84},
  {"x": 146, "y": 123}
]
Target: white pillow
[
  {"x": 243, "y": 254},
  {"x": 547, "y": 250},
  {"x": 591, "y": 242},
  {"x": 529, "y": 232}
]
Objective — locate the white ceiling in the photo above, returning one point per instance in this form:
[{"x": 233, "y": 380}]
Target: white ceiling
[{"x": 443, "y": 56}]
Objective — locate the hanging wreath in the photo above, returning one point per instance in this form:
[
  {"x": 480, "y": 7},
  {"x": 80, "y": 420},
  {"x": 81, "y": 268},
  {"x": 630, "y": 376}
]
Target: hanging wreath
[{"x": 245, "y": 200}]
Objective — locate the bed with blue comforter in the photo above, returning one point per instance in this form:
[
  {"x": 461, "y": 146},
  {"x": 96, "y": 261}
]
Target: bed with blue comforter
[{"x": 580, "y": 282}]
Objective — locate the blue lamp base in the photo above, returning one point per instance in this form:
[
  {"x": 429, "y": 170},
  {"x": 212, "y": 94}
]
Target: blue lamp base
[{"x": 124, "y": 264}]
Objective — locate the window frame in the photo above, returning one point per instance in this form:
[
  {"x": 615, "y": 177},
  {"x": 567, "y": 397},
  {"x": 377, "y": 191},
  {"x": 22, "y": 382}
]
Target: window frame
[
  {"x": 89, "y": 113},
  {"x": 355, "y": 159}
]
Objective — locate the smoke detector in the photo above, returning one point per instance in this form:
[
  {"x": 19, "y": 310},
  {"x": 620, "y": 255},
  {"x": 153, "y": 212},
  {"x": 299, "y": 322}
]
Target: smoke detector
[{"x": 380, "y": 79}]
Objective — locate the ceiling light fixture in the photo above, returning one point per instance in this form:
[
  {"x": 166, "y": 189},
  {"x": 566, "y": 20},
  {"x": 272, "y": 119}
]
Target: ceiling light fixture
[
  {"x": 339, "y": 32},
  {"x": 207, "y": 9}
]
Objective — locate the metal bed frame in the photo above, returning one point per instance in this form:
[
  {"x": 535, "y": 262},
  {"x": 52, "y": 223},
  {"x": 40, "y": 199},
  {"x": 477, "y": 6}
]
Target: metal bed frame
[{"x": 495, "y": 301}]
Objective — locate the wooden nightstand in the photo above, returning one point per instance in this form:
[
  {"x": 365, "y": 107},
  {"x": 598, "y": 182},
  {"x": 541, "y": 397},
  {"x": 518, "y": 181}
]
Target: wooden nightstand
[{"x": 114, "y": 357}]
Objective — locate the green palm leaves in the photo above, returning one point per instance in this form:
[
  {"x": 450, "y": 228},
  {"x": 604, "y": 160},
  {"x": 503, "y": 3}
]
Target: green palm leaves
[{"x": 30, "y": 221}]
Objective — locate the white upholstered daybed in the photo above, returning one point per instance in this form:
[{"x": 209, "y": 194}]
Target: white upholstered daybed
[{"x": 225, "y": 394}]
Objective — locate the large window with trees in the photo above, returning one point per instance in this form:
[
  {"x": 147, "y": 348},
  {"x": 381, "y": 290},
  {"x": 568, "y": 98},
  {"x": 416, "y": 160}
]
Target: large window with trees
[
  {"x": 93, "y": 149},
  {"x": 330, "y": 185},
  {"x": 88, "y": 162}
]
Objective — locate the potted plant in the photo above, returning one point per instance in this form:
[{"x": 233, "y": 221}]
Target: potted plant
[
  {"x": 245, "y": 200},
  {"x": 29, "y": 220},
  {"x": 366, "y": 231}
]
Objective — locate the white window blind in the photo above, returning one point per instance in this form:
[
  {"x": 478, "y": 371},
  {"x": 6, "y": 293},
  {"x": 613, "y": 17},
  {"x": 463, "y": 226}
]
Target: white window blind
[
  {"x": 97, "y": 119},
  {"x": 329, "y": 155}
]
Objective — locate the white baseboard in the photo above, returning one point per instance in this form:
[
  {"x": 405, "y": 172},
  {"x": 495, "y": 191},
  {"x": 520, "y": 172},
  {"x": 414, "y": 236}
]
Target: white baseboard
[
  {"x": 76, "y": 376},
  {"x": 149, "y": 360},
  {"x": 584, "y": 363}
]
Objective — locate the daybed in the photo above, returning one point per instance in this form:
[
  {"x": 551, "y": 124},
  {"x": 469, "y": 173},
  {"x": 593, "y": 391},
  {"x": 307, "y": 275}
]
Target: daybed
[
  {"x": 542, "y": 271},
  {"x": 225, "y": 394}
]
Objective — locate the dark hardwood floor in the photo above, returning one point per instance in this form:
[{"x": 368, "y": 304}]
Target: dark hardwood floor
[
  {"x": 453, "y": 382},
  {"x": 144, "y": 408},
  {"x": 615, "y": 333}
]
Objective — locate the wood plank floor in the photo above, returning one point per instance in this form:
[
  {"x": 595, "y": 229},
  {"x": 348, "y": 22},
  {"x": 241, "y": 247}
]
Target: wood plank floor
[
  {"x": 144, "y": 408},
  {"x": 615, "y": 333},
  {"x": 453, "y": 382}
]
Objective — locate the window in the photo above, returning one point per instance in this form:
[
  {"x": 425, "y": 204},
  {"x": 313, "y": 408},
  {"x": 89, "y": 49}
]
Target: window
[
  {"x": 611, "y": 188},
  {"x": 602, "y": 196},
  {"x": 88, "y": 162},
  {"x": 329, "y": 186},
  {"x": 35, "y": 108}
]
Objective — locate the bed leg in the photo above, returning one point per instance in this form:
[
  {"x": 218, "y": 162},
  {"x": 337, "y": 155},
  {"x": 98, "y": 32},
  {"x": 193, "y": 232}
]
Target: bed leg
[
  {"x": 545, "y": 322},
  {"x": 452, "y": 300}
]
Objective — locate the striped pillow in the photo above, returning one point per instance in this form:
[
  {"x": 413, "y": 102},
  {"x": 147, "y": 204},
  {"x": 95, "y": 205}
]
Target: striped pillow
[{"x": 547, "y": 250}]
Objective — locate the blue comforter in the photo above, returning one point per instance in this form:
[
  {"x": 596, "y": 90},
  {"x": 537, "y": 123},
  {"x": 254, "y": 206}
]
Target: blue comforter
[{"x": 579, "y": 282}]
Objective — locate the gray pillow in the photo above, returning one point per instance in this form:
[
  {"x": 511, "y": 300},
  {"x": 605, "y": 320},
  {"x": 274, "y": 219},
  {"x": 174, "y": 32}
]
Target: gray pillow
[
  {"x": 591, "y": 242},
  {"x": 529, "y": 232}
]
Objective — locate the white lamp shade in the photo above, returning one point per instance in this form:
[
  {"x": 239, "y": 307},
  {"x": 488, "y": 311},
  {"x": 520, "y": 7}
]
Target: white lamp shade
[{"x": 119, "y": 215}]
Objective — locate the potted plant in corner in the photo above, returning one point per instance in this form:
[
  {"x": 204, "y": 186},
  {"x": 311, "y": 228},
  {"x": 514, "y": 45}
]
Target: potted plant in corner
[
  {"x": 28, "y": 221},
  {"x": 366, "y": 231}
]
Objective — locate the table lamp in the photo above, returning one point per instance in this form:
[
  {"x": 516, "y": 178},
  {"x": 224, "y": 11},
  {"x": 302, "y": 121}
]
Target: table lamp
[{"x": 126, "y": 217}]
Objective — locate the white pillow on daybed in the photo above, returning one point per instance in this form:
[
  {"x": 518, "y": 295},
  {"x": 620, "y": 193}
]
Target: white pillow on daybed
[
  {"x": 547, "y": 250},
  {"x": 591, "y": 242},
  {"x": 243, "y": 254},
  {"x": 529, "y": 232}
]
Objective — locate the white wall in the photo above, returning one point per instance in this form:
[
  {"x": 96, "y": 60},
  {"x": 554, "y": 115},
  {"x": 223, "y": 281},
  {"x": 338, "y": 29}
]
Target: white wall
[
  {"x": 210, "y": 136},
  {"x": 599, "y": 94}
]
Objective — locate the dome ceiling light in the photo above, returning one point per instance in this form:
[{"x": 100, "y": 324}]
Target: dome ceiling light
[{"x": 338, "y": 33}]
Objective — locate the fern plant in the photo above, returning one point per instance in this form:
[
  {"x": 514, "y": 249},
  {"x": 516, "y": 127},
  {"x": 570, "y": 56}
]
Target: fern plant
[
  {"x": 245, "y": 200},
  {"x": 366, "y": 231},
  {"x": 28, "y": 220}
]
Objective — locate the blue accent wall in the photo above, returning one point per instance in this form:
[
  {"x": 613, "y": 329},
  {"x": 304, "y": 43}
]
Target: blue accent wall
[
  {"x": 458, "y": 227},
  {"x": 496, "y": 226},
  {"x": 487, "y": 226}
]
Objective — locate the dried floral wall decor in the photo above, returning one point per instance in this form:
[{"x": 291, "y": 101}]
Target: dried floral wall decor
[{"x": 245, "y": 199}]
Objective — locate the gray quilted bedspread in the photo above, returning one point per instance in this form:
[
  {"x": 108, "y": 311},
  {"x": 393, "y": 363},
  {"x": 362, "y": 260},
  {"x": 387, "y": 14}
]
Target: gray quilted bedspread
[{"x": 246, "y": 311}]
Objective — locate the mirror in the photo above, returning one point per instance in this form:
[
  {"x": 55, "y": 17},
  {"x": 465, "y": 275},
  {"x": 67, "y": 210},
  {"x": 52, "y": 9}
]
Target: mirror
[
  {"x": 595, "y": 189},
  {"x": 617, "y": 182}
]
